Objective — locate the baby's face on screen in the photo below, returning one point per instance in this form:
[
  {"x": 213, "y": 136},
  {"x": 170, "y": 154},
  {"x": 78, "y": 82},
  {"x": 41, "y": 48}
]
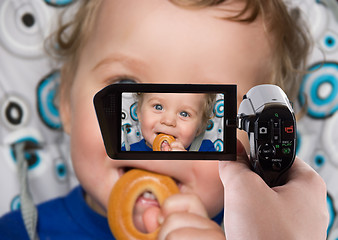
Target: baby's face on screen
[{"x": 176, "y": 114}]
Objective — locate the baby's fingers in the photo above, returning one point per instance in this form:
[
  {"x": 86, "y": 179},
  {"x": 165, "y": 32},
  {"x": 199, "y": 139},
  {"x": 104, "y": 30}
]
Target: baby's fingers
[
  {"x": 184, "y": 203},
  {"x": 185, "y": 217},
  {"x": 183, "y": 225},
  {"x": 177, "y": 146}
]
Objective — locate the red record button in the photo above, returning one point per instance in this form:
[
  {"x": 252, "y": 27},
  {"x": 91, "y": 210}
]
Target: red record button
[{"x": 288, "y": 130}]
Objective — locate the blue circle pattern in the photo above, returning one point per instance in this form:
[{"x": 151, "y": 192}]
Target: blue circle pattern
[
  {"x": 314, "y": 89},
  {"x": 46, "y": 92},
  {"x": 219, "y": 108},
  {"x": 133, "y": 112},
  {"x": 332, "y": 212},
  {"x": 299, "y": 142},
  {"x": 330, "y": 41},
  {"x": 218, "y": 145},
  {"x": 28, "y": 156},
  {"x": 210, "y": 125},
  {"x": 61, "y": 171},
  {"x": 16, "y": 203},
  {"x": 59, "y": 3},
  {"x": 126, "y": 126},
  {"x": 319, "y": 160}
]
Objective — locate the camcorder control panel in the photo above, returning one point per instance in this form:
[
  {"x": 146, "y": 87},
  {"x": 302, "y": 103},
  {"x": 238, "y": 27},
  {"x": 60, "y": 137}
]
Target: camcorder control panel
[{"x": 267, "y": 116}]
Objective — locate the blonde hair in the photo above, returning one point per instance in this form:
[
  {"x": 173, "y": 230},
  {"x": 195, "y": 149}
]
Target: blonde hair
[
  {"x": 208, "y": 110},
  {"x": 291, "y": 38}
]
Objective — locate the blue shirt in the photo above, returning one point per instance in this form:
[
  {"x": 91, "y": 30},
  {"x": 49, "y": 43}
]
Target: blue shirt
[
  {"x": 206, "y": 146},
  {"x": 62, "y": 218},
  {"x": 65, "y": 218}
]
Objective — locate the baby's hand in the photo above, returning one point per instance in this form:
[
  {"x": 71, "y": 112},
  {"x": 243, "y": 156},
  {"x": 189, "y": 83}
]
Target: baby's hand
[
  {"x": 177, "y": 146},
  {"x": 174, "y": 146},
  {"x": 183, "y": 216}
]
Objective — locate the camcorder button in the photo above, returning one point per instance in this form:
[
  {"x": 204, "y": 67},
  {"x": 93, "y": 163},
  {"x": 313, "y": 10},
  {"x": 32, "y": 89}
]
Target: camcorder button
[
  {"x": 276, "y": 166},
  {"x": 276, "y": 132},
  {"x": 288, "y": 130},
  {"x": 262, "y": 130},
  {"x": 266, "y": 151}
]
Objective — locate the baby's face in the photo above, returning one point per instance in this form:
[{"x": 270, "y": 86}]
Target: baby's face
[
  {"x": 154, "y": 41},
  {"x": 179, "y": 115}
]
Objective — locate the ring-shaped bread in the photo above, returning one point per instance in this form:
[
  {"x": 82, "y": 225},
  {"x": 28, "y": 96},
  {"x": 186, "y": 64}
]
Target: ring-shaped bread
[
  {"x": 124, "y": 195},
  {"x": 160, "y": 138}
]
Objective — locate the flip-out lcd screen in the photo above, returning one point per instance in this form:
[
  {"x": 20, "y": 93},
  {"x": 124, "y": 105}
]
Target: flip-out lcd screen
[{"x": 168, "y": 121}]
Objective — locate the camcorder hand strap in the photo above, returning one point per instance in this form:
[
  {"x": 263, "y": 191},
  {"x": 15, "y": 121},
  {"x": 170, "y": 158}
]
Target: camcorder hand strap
[
  {"x": 125, "y": 137},
  {"x": 196, "y": 144},
  {"x": 28, "y": 209}
]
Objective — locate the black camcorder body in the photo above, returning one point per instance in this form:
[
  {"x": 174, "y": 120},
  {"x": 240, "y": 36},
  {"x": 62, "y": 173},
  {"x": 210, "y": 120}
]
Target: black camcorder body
[{"x": 267, "y": 116}]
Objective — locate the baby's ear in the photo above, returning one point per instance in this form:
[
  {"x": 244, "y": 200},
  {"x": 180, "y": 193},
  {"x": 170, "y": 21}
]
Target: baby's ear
[{"x": 64, "y": 99}]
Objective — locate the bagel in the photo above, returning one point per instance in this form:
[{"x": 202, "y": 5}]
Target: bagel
[
  {"x": 157, "y": 144},
  {"x": 124, "y": 195}
]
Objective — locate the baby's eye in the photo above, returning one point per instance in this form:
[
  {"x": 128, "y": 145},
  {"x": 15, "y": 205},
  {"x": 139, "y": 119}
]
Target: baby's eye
[
  {"x": 158, "y": 107},
  {"x": 184, "y": 114}
]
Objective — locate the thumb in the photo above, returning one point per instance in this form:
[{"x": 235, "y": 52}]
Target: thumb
[
  {"x": 165, "y": 146},
  {"x": 151, "y": 219}
]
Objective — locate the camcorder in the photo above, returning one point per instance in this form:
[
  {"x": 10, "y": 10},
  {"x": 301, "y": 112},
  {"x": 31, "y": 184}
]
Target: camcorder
[
  {"x": 267, "y": 116},
  {"x": 202, "y": 119}
]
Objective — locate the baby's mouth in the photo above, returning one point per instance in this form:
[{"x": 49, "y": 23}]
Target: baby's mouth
[
  {"x": 165, "y": 146},
  {"x": 144, "y": 202},
  {"x": 148, "y": 196}
]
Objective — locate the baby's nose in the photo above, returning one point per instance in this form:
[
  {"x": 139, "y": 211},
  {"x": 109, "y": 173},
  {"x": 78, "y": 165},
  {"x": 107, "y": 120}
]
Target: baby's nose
[{"x": 169, "y": 119}]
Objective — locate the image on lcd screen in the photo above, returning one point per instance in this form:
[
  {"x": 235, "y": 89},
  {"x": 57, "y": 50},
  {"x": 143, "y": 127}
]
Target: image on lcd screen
[{"x": 152, "y": 121}]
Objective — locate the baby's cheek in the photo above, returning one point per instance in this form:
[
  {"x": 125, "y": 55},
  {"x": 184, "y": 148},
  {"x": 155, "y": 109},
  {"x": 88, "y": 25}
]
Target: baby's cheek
[
  {"x": 188, "y": 134},
  {"x": 87, "y": 148},
  {"x": 86, "y": 137}
]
